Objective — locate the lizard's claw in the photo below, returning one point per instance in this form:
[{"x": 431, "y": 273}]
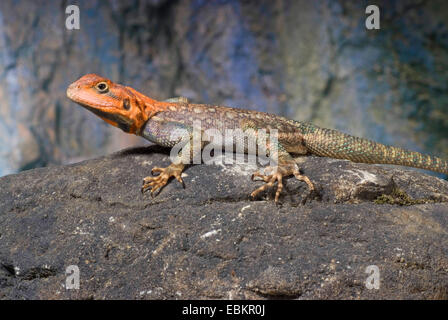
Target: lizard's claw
[
  {"x": 313, "y": 192},
  {"x": 277, "y": 175},
  {"x": 158, "y": 182}
]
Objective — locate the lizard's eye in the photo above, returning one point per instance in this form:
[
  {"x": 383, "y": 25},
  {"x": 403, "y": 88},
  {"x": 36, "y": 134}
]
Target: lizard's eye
[{"x": 102, "y": 87}]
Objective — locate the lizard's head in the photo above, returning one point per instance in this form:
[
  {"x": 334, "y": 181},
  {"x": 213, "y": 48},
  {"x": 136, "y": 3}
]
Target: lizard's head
[{"x": 118, "y": 105}]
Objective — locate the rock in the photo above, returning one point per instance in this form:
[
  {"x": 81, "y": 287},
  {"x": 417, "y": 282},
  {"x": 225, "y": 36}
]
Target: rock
[{"x": 210, "y": 240}]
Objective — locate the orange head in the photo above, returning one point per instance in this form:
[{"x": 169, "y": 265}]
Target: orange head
[{"x": 118, "y": 105}]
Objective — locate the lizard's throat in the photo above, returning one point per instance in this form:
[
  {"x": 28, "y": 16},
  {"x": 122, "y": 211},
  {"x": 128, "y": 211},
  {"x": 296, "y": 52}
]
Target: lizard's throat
[{"x": 114, "y": 119}]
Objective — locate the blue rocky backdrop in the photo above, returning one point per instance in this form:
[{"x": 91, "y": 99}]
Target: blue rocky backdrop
[{"x": 307, "y": 60}]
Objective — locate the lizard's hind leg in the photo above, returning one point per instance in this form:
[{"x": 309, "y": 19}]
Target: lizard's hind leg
[
  {"x": 270, "y": 179},
  {"x": 285, "y": 168}
]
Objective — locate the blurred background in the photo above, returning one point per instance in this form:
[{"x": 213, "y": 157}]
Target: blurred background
[{"x": 307, "y": 60}]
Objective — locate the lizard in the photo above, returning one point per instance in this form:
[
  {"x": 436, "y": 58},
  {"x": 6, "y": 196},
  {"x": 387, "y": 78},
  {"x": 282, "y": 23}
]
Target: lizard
[{"x": 135, "y": 113}]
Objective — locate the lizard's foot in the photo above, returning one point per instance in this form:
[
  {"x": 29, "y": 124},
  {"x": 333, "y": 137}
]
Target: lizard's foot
[
  {"x": 158, "y": 182},
  {"x": 277, "y": 174}
]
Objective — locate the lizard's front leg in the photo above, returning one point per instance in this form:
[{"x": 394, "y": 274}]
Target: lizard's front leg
[
  {"x": 159, "y": 131},
  {"x": 158, "y": 182}
]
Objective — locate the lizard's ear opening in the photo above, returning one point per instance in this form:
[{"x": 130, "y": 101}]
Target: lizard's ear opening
[
  {"x": 102, "y": 87},
  {"x": 126, "y": 104}
]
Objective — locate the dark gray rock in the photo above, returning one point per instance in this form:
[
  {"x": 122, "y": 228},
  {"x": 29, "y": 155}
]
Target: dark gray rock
[{"x": 210, "y": 240}]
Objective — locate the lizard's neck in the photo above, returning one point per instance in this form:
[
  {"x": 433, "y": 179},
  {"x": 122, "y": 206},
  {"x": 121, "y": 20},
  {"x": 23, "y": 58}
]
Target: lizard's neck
[
  {"x": 148, "y": 108},
  {"x": 151, "y": 107}
]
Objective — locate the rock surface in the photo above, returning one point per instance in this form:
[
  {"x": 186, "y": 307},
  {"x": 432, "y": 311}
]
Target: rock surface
[{"x": 210, "y": 240}]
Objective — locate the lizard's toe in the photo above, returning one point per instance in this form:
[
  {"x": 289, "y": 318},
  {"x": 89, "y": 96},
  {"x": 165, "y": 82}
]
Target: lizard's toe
[
  {"x": 277, "y": 176},
  {"x": 269, "y": 182},
  {"x": 266, "y": 178},
  {"x": 154, "y": 183},
  {"x": 157, "y": 169},
  {"x": 313, "y": 193}
]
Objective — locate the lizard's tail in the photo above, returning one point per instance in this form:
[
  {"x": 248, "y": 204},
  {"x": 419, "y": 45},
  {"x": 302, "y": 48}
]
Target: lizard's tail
[{"x": 335, "y": 144}]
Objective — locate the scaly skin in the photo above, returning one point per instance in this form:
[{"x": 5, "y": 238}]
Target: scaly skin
[{"x": 155, "y": 120}]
